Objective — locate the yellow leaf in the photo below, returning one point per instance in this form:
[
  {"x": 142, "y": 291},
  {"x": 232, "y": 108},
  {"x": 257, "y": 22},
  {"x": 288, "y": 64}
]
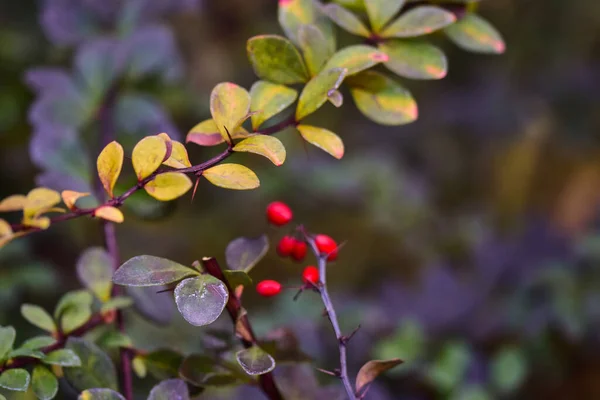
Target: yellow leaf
[
  {"x": 15, "y": 202},
  {"x": 38, "y": 201},
  {"x": 110, "y": 214},
  {"x": 168, "y": 142},
  {"x": 147, "y": 155},
  {"x": 179, "y": 156},
  {"x": 69, "y": 197},
  {"x": 38, "y": 222},
  {"x": 206, "y": 133},
  {"x": 232, "y": 176},
  {"x": 323, "y": 139},
  {"x": 109, "y": 164},
  {"x": 5, "y": 228},
  {"x": 168, "y": 186},
  {"x": 264, "y": 145},
  {"x": 229, "y": 106}
]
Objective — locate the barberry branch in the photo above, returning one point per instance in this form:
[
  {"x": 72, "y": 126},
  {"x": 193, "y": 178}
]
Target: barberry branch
[
  {"x": 234, "y": 307},
  {"x": 120, "y": 200},
  {"x": 342, "y": 340}
]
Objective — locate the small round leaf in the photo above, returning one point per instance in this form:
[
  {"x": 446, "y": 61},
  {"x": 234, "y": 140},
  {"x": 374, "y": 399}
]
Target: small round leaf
[
  {"x": 170, "y": 390},
  {"x": 15, "y": 379},
  {"x": 473, "y": 33},
  {"x": 229, "y": 107},
  {"x": 37, "y": 316},
  {"x": 201, "y": 299},
  {"x": 268, "y": 100},
  {"x": 356, "y": 58},
  {"x": 264, "y": 145},
  {"x": 232, "y": 176},
  {"x": 148, "y": 154},
  {"x": 415, "y": 60},
  {"x": 44, "y": 383},
  {"x": 419, "y": 21},
  {"x": 168, "y": 186},
  {"x": 150, "y": 271},
  {"x": 323, "y": 139},
  {"x": 109, "y": 164},
  {"x": 276, "y": 59},
  {"x": 314, "y": 94},
  {"x": 255, "y": 361}
]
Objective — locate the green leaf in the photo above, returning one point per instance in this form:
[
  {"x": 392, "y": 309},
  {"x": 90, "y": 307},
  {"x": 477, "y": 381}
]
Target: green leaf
[
  {"x": 139, "y": 367},
  {"x": 345, "y": 19},
  {"x": 314, "y": 94},
  {"x": 276, "y": 59},
  {"x": 371, "y": 370},
  {"x": 232, "y": 176},
  {"x": 151, "y": 271},
  {"x": 62, "y": 357},
  {"x": 473, "y": 33},
  {"x": 163, "y": 363},
  {"x": 116, "y": 303},
  {"x": 74, "y": 310},
  {"x": 38, "y": 342},
  {"x": 201, "y": 300},
  {"x": 169, "y": 390},
  {"x": 415, "y": 60},
  {"x": 244, "y": 253},
  {"x": 268, "y": 100},
  {"x": 7, "y": 340},
  {"x": 206, "y": 133},
  {"x": 97, "y": 369},
  {"x": 323, "y": 139},
  {"x": 356, "y": 58},
  {"x": 229, "y": 107},
  {"x": 508, "y": 370},
  {"x": 315, "y": 48},
  {"x": 382, "y": 11},
  {"x": 381, "y": 99},
  {"x": 293, "y": 14},
  {"x": 44, "y": 383},
  {"x": 24, "y": 352},
  {"x": 15, "y": 379},
  {"x": 196, "y": 367},
  {"x": 255, "y": 361},
  {"x": 222, "y": 380},
  {"x": 168, "y": 186},
  {"x": 74, "y": 317},
  {"x": 100, "y": 394},
  {"x": 114, "y": 339},
  {"x": 238, "y": 278},
  {"x": 94, "y": 270},
  {"x": 264, "y": 145},
  {"x": 419, "y": 21},
  {"x": 2, "y": 397},
  {"x": 450, "y": 366},
  {"x": 75, "y": 298}
]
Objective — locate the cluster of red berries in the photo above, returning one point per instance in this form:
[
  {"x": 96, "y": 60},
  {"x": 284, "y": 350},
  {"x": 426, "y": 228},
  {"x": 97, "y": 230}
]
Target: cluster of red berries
[{"x": 279, "y": 214}]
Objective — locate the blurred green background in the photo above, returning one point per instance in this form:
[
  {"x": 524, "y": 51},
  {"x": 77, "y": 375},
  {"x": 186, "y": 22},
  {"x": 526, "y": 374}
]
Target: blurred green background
[{"x": 472, "y": 236}]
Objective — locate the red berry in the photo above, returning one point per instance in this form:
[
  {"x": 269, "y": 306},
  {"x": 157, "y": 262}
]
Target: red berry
[
  {"x": 268, "y": 288},
  {"x": 278, "y": 213},
  {"x": 310, "y": 274},
  {"x": 286, "y": 246},
  {"x": 326, "y": 245},
  {"x": 299, "y": 251}
]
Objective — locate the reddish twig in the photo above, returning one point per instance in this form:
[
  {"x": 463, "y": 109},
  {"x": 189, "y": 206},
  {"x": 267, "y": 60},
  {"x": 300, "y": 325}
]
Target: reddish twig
[{"x": 234, "y": 307}]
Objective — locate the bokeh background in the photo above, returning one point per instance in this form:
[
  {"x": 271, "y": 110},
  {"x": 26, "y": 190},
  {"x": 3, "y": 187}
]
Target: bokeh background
[{"x": 472, "y": 236}]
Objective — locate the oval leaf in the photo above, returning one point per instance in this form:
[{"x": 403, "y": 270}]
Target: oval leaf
[
  {"x": 314, "y": 94},
  {"x": 38, "y": 201},
  {"x": 315, "y": 48},
  {"x": 323, "y": 139},
  {"x": 255, "y": 361},
  {"x": 267, "y": 146},
  {"x": 7, "y": 340},
  {"x": 419, "y": 21},
  {"x": 345, "y": 19},
  {"x": 148, "y": 155},
  {"x": 229, "y": 107},
  {"x": 232, "y": 176},
  {"x": 415, "y": 60},
  {"x": 15, "y": 379},
  {"x": 100, "y": 394},
  {"x": 508, "y": 370},
  {"x": 276, "y": 59},
  {"x": 44, "y": 383},
  {"x": 16, "y": 202},
  {"x": 62, "y": 357},
  {"x": 170, "y": 390},
  {"x": 293, "y": 14},
  {"x": 244, "y": 253},
  {"x": 473, "y": 33},
  {"x": 179, "y": 156},
  {"x": 116, "y": 303},
  {"x": 150, "y": 271},
  {"x": 109, "y": 164},
  {"x": 356, "y": 58},
  {"x": 37, "y": 316},
  {"x": 201, "y": 299},
  {"x": 382, "y": 11},
  {"x": 94, "y": 270},
  {"x": 268, "y": 100},
  {"x": 372, "y": 370},
  {"x": 97, "y": 369},
  {"x": 168, "y": 186},
  {"x": 69, "y": 197},
  {"x": 109, "y": 213},
  {"x": 206, "y": 133},
  {"x": 38, "y": 342},
  {"x": 382, "y": 99}
]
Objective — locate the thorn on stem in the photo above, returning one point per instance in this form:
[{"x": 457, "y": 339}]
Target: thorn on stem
[
  {"x": 345, "y": 339},
  {"x": 335, "y": 372},
  {"x": 166, "y": 290}
]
